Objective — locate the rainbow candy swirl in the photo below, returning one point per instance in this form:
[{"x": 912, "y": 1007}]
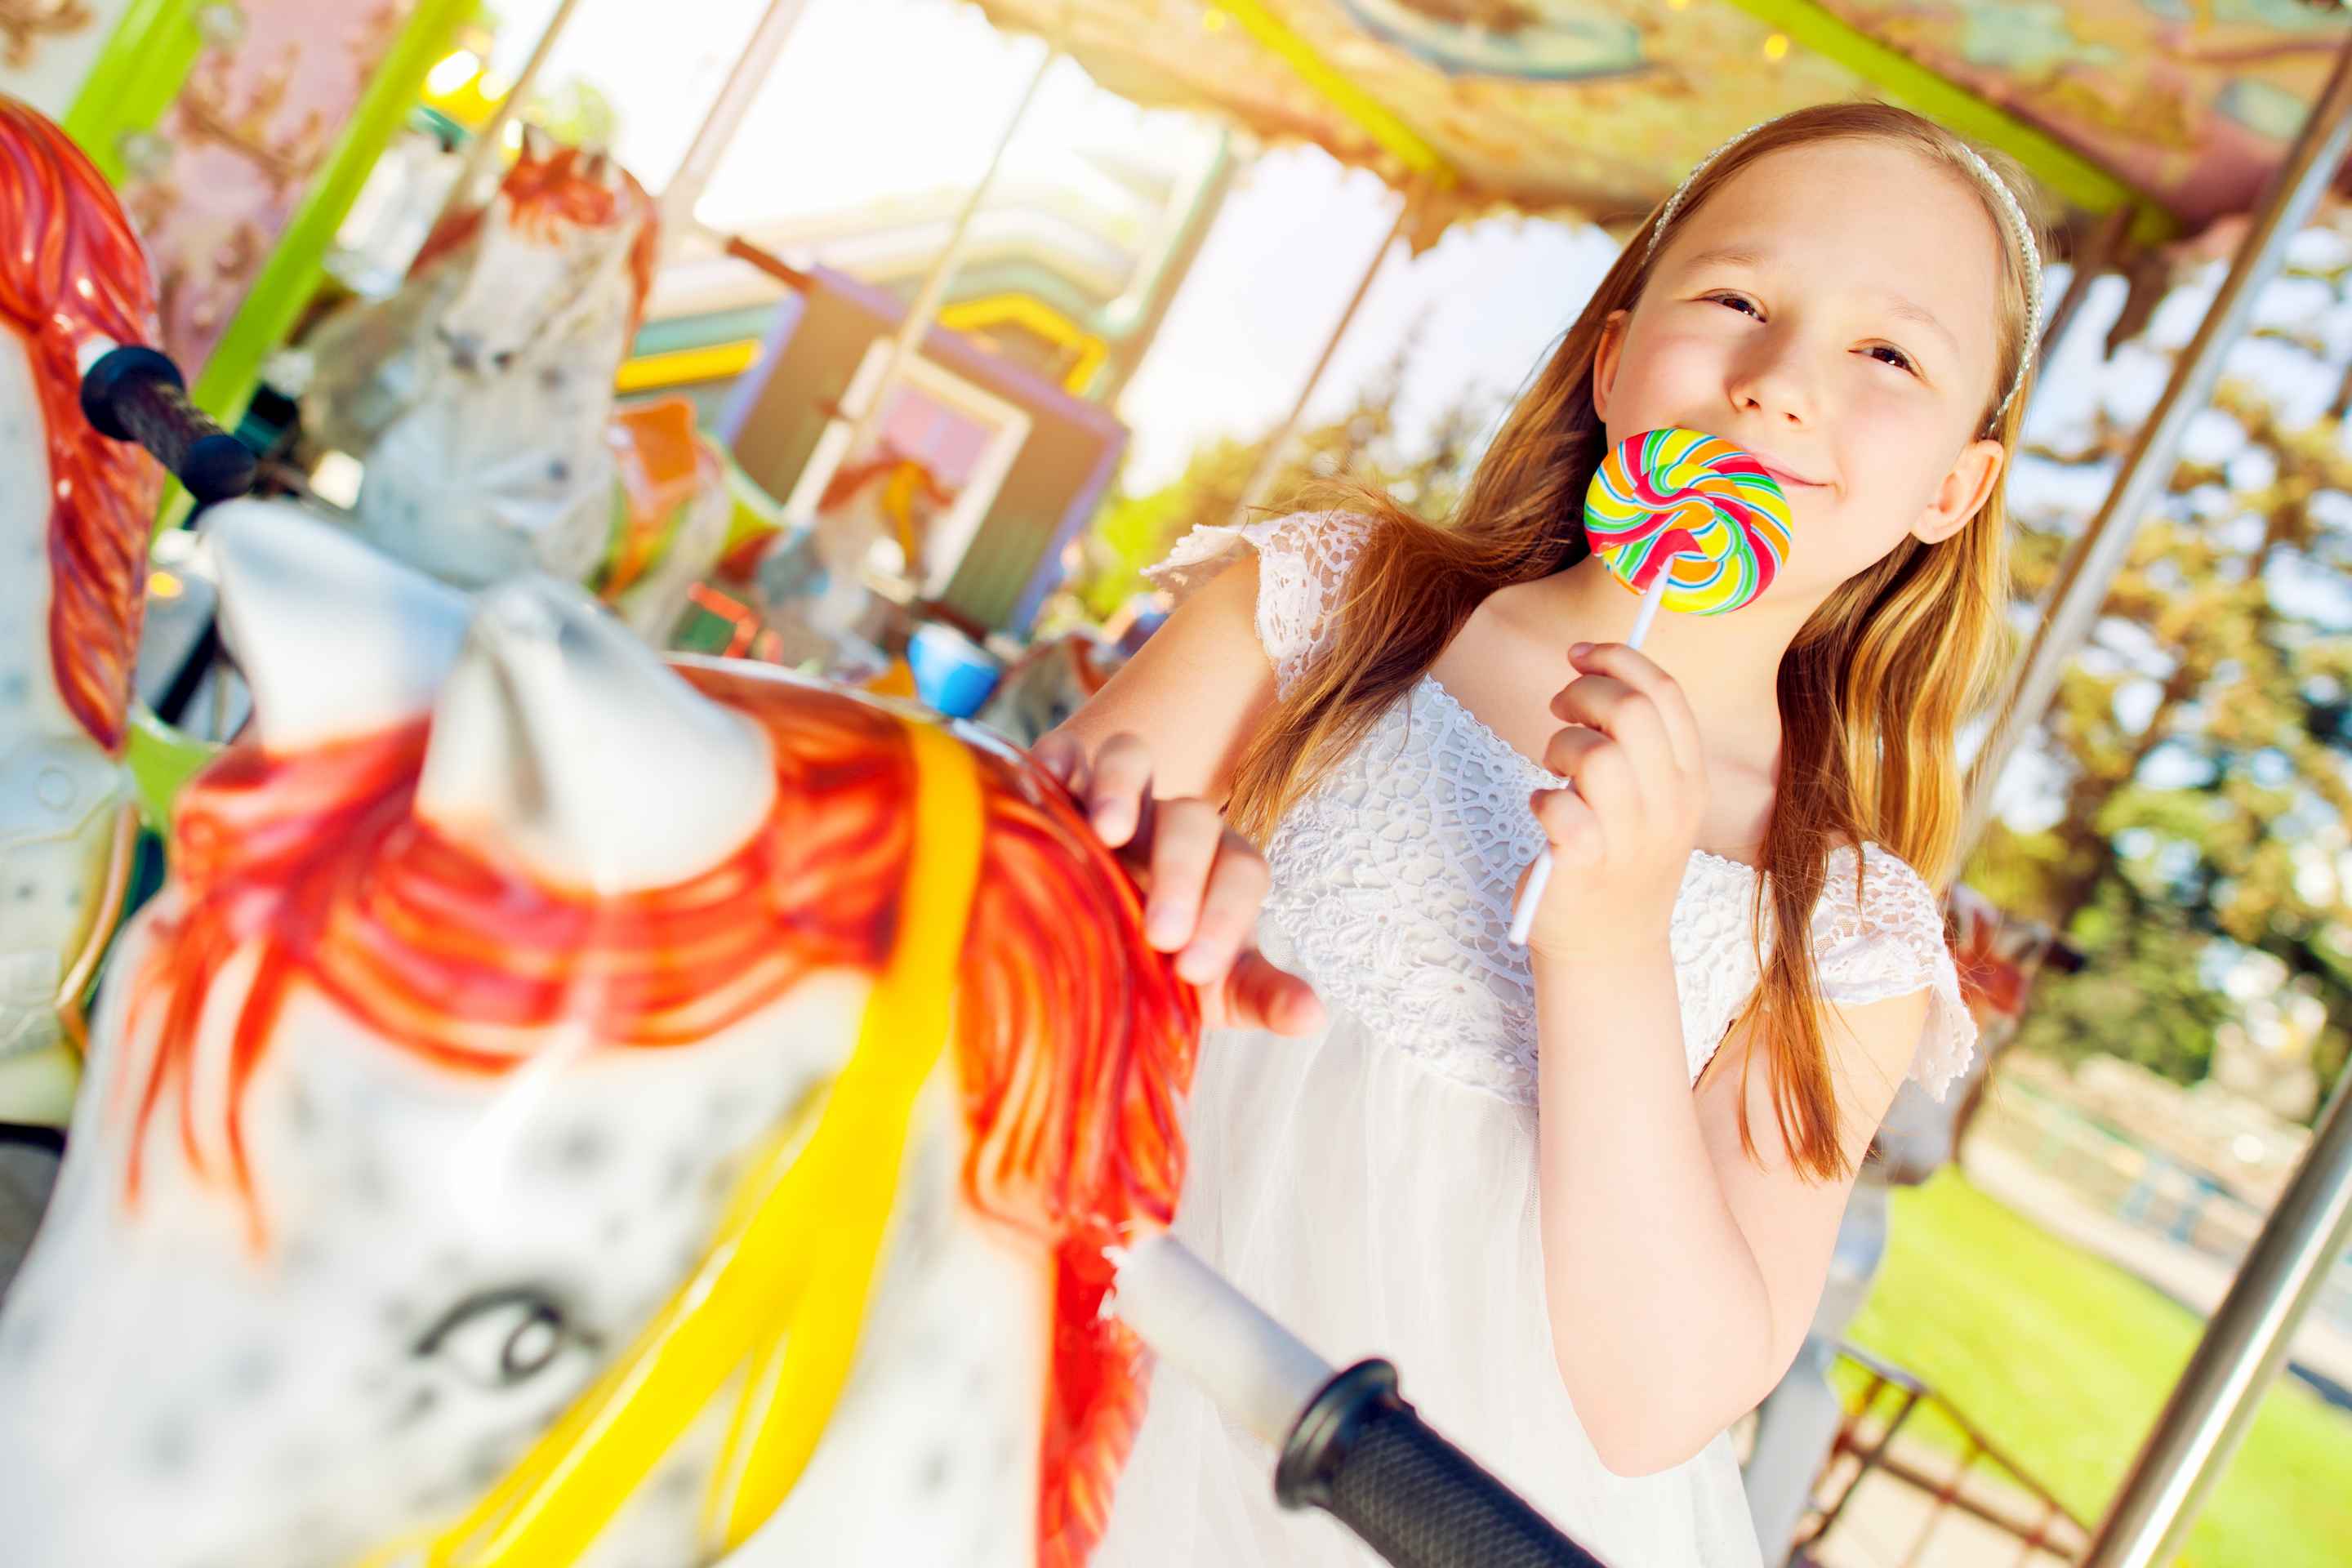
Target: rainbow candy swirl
[{"x": 1695, "y": 505}]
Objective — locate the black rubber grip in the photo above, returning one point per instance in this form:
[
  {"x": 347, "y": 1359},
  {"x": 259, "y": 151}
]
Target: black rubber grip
[
  {"x": 1364, "y": 1456},
  {"x": 136, "y": 393}
]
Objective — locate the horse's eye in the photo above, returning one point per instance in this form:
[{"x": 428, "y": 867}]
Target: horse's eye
[{"x": 502, "y": 1338}]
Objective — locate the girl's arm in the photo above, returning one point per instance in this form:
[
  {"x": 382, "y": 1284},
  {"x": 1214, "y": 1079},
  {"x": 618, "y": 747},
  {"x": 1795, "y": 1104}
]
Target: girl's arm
[
  {"x": 1149, "y": 758},
  {"x": 1681, "y": 1275},
  {"x": 1192, "y": 694}
]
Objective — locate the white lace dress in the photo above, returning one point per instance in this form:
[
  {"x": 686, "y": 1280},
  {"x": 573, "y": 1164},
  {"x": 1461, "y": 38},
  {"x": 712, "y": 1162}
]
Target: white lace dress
[{"x": 1374, "y": 1186}]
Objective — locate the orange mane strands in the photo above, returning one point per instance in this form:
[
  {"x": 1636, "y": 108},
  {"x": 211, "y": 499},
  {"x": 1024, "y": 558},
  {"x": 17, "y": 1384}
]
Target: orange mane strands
[
  {"x": 72, "y": 271},
  {"x": 1076, "y": 1044},
  {"x": 545, "y": 196},
  {"x": 1074, "y": 1040}
]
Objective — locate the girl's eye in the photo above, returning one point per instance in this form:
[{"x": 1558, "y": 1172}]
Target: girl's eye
[
  {"x": 1733, "y": 302},
  {"x": 1894, "y": 356}
]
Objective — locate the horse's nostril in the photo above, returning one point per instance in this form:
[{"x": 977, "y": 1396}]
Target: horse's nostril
[{"x": 502, "y": 358}]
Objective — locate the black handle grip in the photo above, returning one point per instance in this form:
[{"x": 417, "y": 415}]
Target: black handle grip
[
  {"x": 1364, "y": 1456},
  {"x": 136, "y": 393}
]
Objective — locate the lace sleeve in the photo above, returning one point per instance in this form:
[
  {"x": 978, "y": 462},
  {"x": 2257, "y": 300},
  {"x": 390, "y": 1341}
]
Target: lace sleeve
[
  {"x": 1889, "y": 942},
  {"x": 1302, "y": 561}
]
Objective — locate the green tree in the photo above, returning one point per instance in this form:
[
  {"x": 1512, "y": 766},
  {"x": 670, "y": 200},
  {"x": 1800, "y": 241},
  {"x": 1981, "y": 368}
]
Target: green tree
[{"x": 2201, "y": 739}]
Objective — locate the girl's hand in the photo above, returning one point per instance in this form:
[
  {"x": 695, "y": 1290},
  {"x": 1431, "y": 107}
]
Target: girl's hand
[
  {"x": 1621, "y": 840},
  {"x": 1202, "y": 885}
]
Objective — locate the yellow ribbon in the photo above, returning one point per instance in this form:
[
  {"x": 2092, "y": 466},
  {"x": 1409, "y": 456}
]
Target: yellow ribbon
[{"x": 783, "y": 1292}]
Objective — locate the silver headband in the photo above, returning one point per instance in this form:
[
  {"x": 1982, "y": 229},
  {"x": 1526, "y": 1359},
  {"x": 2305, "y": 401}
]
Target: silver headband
[{"x": 2005, "y": 202}]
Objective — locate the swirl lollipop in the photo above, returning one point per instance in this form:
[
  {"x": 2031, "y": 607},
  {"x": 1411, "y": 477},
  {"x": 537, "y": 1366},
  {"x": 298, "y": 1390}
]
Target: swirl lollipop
[{"x": 1687, "y": 521}]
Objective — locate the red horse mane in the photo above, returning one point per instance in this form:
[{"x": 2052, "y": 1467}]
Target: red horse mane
[
  {"x": 72, "y": 273},
  {"x": 548, "y": 192},
  {"x": 317, "y": 859}
]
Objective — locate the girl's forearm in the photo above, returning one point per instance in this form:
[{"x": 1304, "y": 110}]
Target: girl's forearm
[{"x": 1660, "y": 1320}]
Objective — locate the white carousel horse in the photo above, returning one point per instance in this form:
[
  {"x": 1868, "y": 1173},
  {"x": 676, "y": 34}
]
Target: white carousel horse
[
  {"x": 557, "y": 1085},
  {"x": 73, "y": 584},
  {"x": 811, "y": 583},
  {"x": 478, "y": 399},
  {"x": 1048, "y": 683}
]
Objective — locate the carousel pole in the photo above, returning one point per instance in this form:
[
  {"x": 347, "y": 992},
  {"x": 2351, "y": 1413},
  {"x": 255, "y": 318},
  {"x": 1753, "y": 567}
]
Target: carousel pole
[
  {"x": 483, "y": 152},
  {"x": 728, "y": 110},
  {"x": 1256, "y": 494},
  {"x": 860, "y": 415},
  {"x": 2244, "y": 1346},
  {"x": 2092, "y": 567}
]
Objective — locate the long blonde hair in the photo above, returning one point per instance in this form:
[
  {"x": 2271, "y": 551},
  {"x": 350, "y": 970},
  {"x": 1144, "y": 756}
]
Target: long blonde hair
[{"x": 1871, "y": 691}]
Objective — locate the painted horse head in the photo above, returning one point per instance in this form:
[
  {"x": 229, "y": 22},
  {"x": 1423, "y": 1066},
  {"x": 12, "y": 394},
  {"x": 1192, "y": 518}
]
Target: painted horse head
[
  {"x": 557, "y": 1087},
  {"x": 478, "y": 398},
  {"x": 569, "y": 241},
  {"x": 72, "y": 582}
]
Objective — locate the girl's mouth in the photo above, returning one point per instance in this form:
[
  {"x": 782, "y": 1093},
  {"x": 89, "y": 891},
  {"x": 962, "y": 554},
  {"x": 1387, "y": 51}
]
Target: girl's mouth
[{"x": 1788, "y": 479}]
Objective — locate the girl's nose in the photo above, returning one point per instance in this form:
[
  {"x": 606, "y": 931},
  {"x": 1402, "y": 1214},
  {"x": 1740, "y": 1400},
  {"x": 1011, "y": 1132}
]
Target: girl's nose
[{"x": 1772, "y": 381}]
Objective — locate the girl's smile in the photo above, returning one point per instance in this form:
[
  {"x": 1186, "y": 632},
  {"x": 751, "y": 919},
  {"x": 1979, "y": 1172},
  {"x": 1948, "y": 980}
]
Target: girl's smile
[{"x": 1767, "y": 323}]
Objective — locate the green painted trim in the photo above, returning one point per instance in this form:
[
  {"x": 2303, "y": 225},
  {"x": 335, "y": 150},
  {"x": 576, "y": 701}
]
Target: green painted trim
[
  {"x": 294, "y": 268},
  {"x": 136, "y": 76},
  {"x": 161, "y": 761},
  {"x": 703, "y": 330},
  {"x": 2066, "y": 172}
]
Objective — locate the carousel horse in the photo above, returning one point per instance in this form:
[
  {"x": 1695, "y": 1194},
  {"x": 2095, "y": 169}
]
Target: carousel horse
[
  {"x": 558, "y": 1085},
  {"x": 478, "y": 398},
  {"x": 73, "y": 586},
  {"x": 810, "y": 583},
  {"x": 1048, "y": 683}
]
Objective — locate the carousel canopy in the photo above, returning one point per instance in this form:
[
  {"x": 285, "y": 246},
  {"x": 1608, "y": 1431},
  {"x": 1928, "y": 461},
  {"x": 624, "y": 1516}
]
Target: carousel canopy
[{"x": 2174, "y": 110}]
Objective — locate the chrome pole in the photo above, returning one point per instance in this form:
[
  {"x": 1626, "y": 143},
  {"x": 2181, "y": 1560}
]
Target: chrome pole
[{"x": 2243, "y": 1348}]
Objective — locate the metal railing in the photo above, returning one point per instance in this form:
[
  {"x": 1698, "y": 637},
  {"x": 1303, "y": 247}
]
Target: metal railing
[{"x": 2044, "y": 1529}]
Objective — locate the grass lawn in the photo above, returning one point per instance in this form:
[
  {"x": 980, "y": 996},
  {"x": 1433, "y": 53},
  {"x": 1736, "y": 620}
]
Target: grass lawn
[{"x": 2065, "y": 1360}]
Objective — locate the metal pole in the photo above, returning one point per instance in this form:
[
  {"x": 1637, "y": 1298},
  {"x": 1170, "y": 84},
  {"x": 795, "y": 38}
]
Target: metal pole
[
  {"x": 726, "y": 116},
  {"x": 2098, "y": 556},
  {"x": 921, "y": 315},
  {"x": 1277, "y": 446},
  {"x": 2091, "y": 258},
  {"x": 483, "y": 152},
  {"x": 2243, "y": 1347}
]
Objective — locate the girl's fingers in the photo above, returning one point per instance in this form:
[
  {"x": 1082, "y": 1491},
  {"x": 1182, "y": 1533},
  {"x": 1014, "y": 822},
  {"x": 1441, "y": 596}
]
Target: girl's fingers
[
  {"x": 1237, "y": 885},
  {"x": 1257, "y": 995},
  {"x": 1115, "y": 795},
  {"x": 1184, "y": 841},
  {"x": 1638, "y": 670},
  {"x": 1603, "y": 773},
  {"x": 1060, "y": 756},
  {"x": 1569, "y": 825},
  {"x": 1625, "y": 712}
]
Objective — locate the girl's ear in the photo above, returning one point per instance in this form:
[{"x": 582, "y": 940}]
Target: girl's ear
[
  {"x": 1606, "y": 354},
  {"x": 1969, "y": 483}
]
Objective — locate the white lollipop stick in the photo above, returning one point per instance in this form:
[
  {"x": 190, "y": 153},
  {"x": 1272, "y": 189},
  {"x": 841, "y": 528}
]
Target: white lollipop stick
[{"x": 1523, "y": 913}]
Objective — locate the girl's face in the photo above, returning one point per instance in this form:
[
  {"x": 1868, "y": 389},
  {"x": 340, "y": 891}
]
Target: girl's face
[{"x": 1833, "y": 310}]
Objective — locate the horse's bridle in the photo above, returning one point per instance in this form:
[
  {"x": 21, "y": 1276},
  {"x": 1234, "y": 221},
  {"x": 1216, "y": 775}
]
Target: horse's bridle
[{"x": 782, "y": 1291}]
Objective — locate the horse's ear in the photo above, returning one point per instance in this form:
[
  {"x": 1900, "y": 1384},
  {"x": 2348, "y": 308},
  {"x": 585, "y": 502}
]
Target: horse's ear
[
  {"x": 334, "y": 639},
  {"x": 562, "y": 742},
  {"x": 600, "y": 167},
  {"x": 538, "y": 146}
]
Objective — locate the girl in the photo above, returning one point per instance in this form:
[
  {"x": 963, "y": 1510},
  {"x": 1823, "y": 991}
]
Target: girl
[{"x": 1584, "y": 1195}]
